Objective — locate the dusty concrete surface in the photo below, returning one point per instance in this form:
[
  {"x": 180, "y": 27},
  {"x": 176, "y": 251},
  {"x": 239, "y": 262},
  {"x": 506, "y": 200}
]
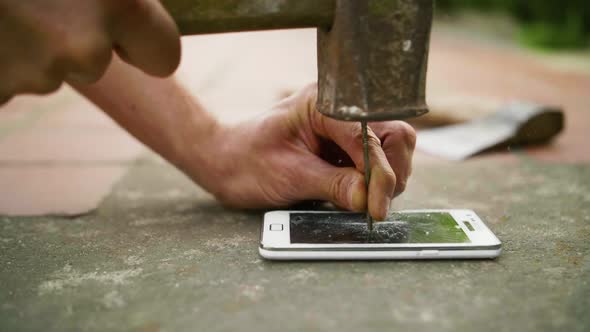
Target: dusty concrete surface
[{"x": 161, "y": 255}]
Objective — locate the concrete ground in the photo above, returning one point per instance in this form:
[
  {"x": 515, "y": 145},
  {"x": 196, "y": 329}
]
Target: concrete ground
[{"x": 159, "y": 254}]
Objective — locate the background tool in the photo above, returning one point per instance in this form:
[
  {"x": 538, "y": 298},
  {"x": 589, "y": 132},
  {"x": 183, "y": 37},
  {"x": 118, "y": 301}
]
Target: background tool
[{"x": 515, "y": 124}]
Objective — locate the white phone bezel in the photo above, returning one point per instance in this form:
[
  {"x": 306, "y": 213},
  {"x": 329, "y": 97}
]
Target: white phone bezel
[{"x": 481, "y": 238}]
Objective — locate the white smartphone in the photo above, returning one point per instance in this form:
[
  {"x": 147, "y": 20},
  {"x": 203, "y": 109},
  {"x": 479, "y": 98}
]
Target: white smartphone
[{"x": 410, "y": 234}]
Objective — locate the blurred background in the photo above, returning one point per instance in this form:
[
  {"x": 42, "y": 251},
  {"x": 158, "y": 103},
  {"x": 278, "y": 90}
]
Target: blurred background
[{"x": 540, "y": 24}]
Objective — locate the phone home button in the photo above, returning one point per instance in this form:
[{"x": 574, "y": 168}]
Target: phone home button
[{"x": 276, "y": 227}]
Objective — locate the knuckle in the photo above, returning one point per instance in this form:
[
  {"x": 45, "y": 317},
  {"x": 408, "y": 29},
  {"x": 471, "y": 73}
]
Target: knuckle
[
  {"x": 311, "y": 89},
  {"x": 89, "y": 56},
  {"x": 356, "y": 132},
  {"x": 338, "y": 190},
  {"x": 311, "y": 95},
  {"x": 389, "y": 177},
  {"x": 406, "y": 133},
  {"x": 400, "y": 186},
  {"x": 96, "y": 54},
  {"x": 373, "y": 140}
]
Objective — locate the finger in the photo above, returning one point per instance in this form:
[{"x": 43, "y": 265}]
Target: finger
[
  {"x": 88, "y": 59},
  {"x": 343, "y": 186},
  {"x": 382, "y": 182},
  {"x": 348, "y": 136},
  {"x": 398, "y": 142},
  {"x": 145, "y": 36}
]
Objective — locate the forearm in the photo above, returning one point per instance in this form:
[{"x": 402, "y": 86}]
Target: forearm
[{"x": 159, "y": 112}]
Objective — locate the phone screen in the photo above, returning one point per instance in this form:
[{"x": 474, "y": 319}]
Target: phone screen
[{"x": 343, "y": 228}]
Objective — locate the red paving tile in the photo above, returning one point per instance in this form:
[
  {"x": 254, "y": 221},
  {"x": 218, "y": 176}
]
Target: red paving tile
[
  {"x": 59, "y": 155},
  {"x": 69, "y": 144},
  {"x": 59, "y": 190}
]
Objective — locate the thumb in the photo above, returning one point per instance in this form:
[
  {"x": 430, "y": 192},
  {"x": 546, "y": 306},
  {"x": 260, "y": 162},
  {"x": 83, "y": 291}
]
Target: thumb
[{"x": 343, "y": 186}]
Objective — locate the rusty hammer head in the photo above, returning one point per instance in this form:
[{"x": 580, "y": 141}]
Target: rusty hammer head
[
  {"x": 371, "y": 53},
  {"x": 372, "y": 61}
]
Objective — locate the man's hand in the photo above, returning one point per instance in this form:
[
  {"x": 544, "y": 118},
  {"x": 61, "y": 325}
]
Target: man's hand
[
  {"x": 47, "y": 42},
  {"x": 294, "y": 153},
  {"x": 290, "y": 154}
]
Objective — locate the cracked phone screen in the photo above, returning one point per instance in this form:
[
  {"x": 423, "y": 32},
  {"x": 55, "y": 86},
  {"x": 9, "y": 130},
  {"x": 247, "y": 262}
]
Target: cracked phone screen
[{"x": 342, "y": 228}]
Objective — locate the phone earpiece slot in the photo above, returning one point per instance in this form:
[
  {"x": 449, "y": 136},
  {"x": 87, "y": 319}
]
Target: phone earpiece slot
[{"x": 469, "y": 226}]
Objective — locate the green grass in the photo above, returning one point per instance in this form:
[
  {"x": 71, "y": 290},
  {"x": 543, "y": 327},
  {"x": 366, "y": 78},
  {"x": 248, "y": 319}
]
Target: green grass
[{"x": 561, "y": 24}]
